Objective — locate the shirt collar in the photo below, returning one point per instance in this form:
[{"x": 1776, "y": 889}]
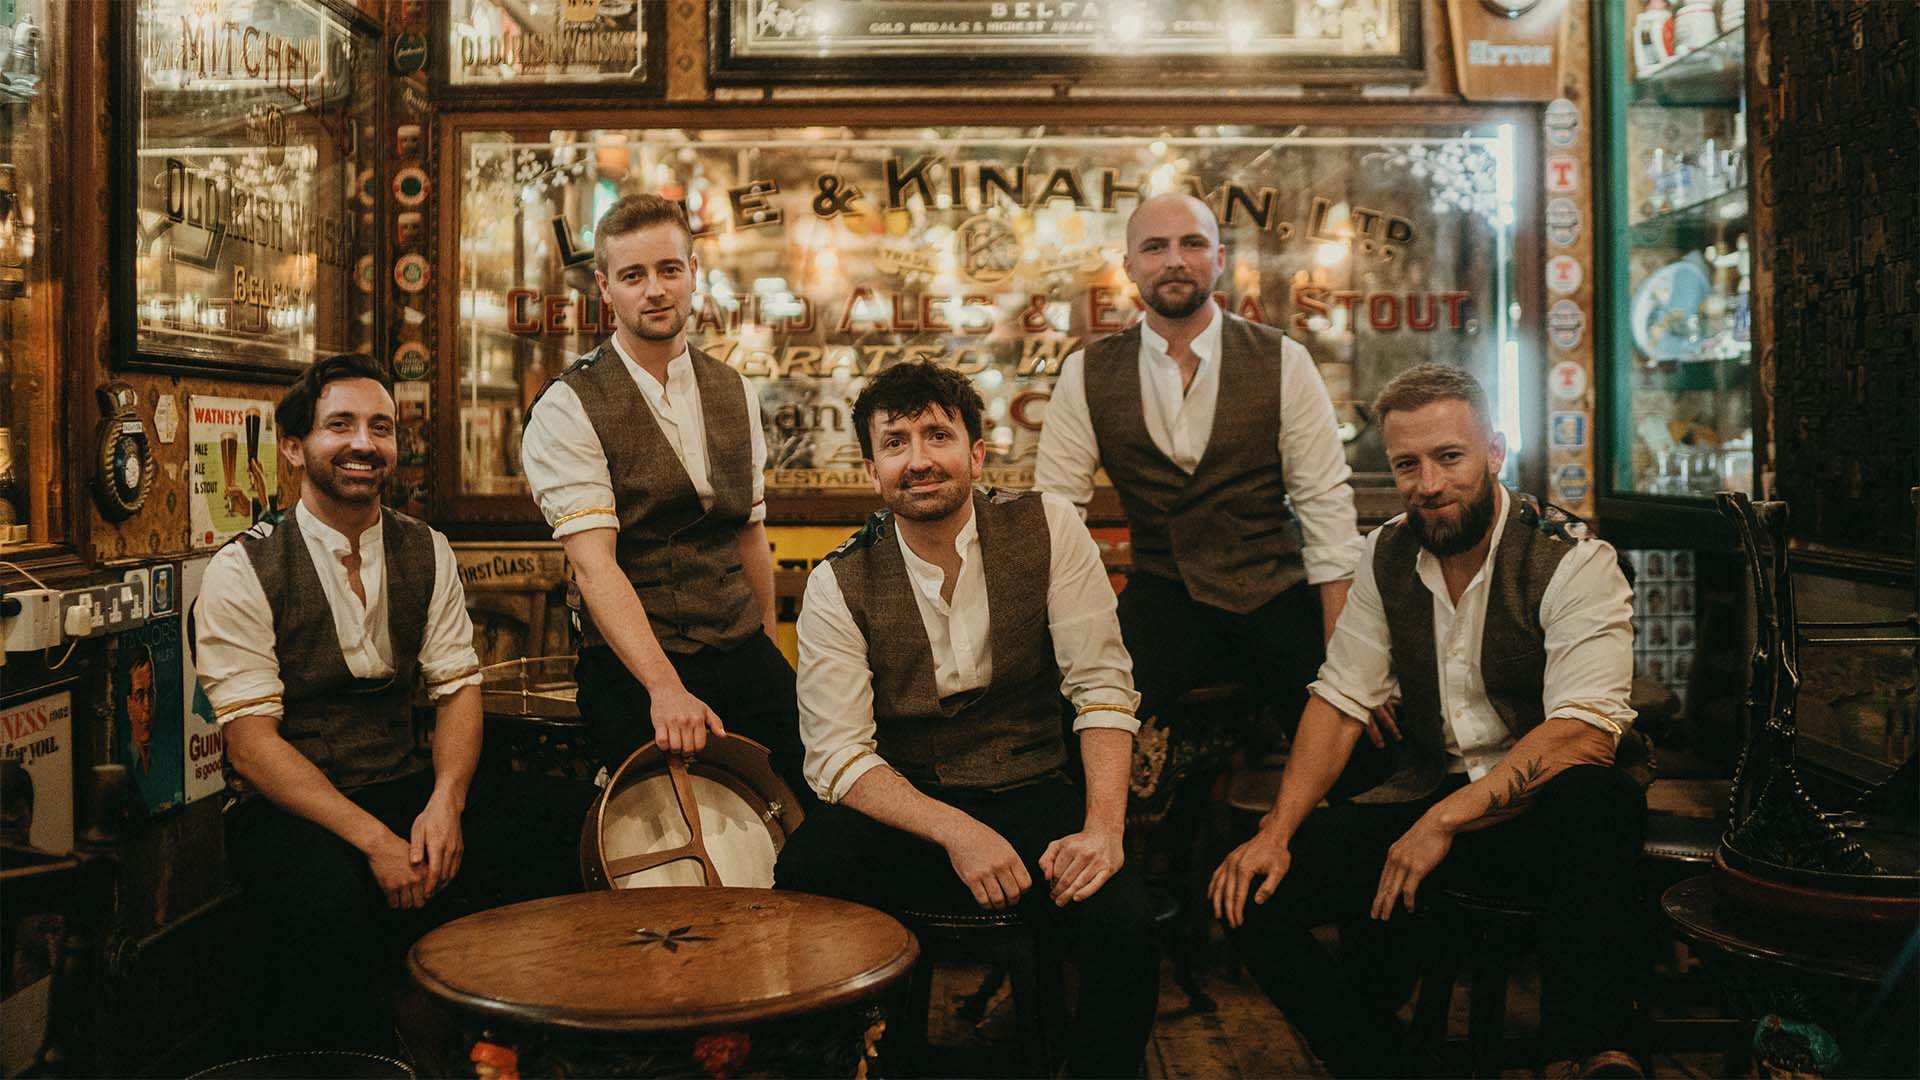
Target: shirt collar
[
  {"x": 677, "y": 368},
  {"x": 926, "y": 576},
  {"x": 1428, "y": 565},
  {"x": 1206, "y": 344},
  {"x": 332, "y": 539}
]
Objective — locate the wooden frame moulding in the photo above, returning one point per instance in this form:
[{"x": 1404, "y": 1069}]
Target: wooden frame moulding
[{"x": 513, "y": 516}]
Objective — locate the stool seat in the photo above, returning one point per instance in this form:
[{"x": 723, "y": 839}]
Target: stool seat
[{"x": 956, "y": 921}]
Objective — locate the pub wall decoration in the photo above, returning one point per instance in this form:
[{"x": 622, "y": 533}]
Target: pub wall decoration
[
  {"x": 827, "y": 255},
  {"x": 493, "y": 51},
  {"x": 248, "y": 185},
  {"x": 1279, "y": 41}
]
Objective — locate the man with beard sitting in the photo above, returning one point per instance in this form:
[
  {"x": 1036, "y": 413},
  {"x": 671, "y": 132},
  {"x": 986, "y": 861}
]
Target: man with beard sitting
[
  {"x": 934, "y": 648},
  {"x": 1508, "y": 634},
  {"x": 310, "y": 635}
]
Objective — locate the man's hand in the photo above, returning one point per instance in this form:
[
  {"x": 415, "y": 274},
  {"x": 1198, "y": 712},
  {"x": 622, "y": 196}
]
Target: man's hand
[
  {"x": 1265, "y": 856},
  {"x": 402, "y": 880},
  {"x": 681, "y": 721},
  {"x": 1381, "y": 721},
  {"x": 989, "y": 866},
  {"x": 1079, "y": 864},
  {"x": 1409, "y": 861},
  {"x": 437, "y": 842}
]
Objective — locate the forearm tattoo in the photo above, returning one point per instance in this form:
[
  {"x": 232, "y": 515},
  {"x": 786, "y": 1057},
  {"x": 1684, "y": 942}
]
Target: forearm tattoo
[{"x": 1524, "y": 783}]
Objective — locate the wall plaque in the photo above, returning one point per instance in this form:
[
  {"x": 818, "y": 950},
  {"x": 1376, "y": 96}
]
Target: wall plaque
[
  {"x": 1279, "y": 41},
  {"x": 491, "y": 48},
  {"x": 245, "y": 129}
]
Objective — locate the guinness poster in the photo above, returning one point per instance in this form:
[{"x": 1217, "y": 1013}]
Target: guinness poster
[
  {"x": 825, "y": 256},
  {"x": 243, "y": 239}
]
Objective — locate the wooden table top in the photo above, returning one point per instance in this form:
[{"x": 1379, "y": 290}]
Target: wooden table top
[
  {"x": 665, "y": 959},
  {"x": 1700, "y": 915}
]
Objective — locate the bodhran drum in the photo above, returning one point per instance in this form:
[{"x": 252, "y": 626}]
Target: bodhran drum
[{"x": 718, "y": 817}]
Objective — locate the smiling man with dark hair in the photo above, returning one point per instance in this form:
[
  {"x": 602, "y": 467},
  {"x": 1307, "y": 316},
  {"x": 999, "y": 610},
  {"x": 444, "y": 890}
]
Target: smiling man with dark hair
[
  {"x": 310, "y": 636},
  {"x": 934, "y": 648}
]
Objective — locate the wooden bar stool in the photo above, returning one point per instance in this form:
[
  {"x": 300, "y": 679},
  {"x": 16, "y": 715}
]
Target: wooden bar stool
[{"x": 1007, "y": 941}]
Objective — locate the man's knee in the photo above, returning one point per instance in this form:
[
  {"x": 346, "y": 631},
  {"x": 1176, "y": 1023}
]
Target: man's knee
[{"x": 1594, "y": 800}]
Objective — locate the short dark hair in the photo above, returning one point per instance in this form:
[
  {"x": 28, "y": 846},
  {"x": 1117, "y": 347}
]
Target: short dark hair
[
  {"x": 1424, "y": 384},
  {"x": 633, "y": 213},
  {"x": 910, "y": 389},
  {"x": 294, "y": 415}
]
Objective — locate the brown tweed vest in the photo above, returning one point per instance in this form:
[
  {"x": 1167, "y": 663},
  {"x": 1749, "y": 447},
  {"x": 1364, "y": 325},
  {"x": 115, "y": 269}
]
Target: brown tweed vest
[
  {"x": 357, "y": 731},
  {"x": 683, "y": 560},
  {"x": 1225, "y": 531},
  {"x": 1005, "y": 733},
  {"x": 1512, "y": 649}
]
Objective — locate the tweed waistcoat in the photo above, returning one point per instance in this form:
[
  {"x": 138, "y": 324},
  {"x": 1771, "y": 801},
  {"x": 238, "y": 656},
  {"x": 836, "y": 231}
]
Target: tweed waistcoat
[
  {"x": 356, "y": 731},
  {"x": 1225, "y": 531},
  {"x": 683, "y": 560},
  {"x": 1512, "y": 647},
  {"x": 1005, "y": 733}
]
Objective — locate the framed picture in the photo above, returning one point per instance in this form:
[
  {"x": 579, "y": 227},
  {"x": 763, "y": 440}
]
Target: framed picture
[
  {"x": 494, "y": 52},
  {"x": 891, "y": 40},
  {"x": 244, "y": 238}
]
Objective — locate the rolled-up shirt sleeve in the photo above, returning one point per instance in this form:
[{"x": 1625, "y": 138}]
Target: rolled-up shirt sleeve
[
  {"x": 1314, "y": 464},
  {"x": 233, "y": 651},
  {"x": 834, "y": 683},
  {"x": 1096, "y": 672},
  {"x": 566, "y": 466},
  {"x": 1358, "y": 672},
  {"x": 1069, "y": 454},
  {"x": 447, "y": 657},
  {"x": 1587, "y": 613}
]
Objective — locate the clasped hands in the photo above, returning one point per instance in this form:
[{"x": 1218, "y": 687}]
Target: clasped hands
[
  {"x": 410, "y": 873},
  {"x": 1075, "y": 866}
]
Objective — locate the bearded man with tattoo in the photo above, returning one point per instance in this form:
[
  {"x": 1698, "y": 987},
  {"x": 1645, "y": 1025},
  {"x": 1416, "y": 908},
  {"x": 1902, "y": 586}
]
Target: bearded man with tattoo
[{"x": 1504, "y": 628}]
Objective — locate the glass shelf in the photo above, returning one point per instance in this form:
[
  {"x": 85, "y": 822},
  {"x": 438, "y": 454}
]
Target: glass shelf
[
  {"x": 1712, "y": 75},
  {"x": 1716, "y": 373},
  {"x": 1689, "y": 225}
]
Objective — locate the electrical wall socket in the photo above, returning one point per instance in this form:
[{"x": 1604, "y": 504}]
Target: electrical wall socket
[
  {"x": 37, "y": 626},
  {"x": 102, "y": 609}
]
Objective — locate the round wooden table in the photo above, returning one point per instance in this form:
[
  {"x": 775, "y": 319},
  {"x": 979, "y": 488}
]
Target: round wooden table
[{"x": 670, "y": 980}]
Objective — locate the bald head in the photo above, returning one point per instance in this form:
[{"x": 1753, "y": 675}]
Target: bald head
[
  {"x": 1174, "y": 257},
  {"x": 1173, "y": 209}
]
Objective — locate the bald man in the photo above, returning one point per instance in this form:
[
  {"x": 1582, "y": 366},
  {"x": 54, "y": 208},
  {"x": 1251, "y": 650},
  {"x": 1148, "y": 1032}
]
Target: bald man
[{"x": 1220, "y": 439}]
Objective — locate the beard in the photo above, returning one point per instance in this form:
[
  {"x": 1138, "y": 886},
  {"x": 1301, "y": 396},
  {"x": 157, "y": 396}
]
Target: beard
[
  {"x": 1444, "y": 538},
  {"x": 1197, "y": 297},
  {"x": 927, "y": 505},
  {"x": 639, "y": 327},
  {"x": 352, "y": 489}
]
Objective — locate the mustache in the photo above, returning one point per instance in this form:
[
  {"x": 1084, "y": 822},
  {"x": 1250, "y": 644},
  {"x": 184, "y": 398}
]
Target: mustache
[
  {"x": 1177, "y": 277},
  {"x": 923, "y": 476}
]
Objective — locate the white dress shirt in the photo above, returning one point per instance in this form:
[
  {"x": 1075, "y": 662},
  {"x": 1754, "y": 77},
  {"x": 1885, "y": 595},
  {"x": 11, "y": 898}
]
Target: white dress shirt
[
  {"x": 567, "y": 467},
  {"x": 234, "y": 641},
  {"x": 835, "y": 681},
  {"x": 1180, "y": 421},
  {"x": 1586, "y": 611}
]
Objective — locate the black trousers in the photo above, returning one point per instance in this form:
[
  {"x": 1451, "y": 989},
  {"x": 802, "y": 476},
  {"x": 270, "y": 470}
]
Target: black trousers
[
  {"x": 1575, "y": 850},
  {"x": 327, "y": 948},
  {"x": 842, "y": 853},
  {"x": 749, "y": 687},
  {"x": 1179, "y": 643}
]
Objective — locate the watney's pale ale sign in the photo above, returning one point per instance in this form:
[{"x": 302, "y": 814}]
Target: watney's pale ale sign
[{"x": 825, "y": 258}]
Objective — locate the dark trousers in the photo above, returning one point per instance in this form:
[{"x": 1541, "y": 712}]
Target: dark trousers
[
  {"x": 842, "y": 853},
  {"x": 327, "y": 948},
  {"x": 1178, "y": 643},
  {"x": 749, "y": 687},
  {"x": 1575, "y": 850}
]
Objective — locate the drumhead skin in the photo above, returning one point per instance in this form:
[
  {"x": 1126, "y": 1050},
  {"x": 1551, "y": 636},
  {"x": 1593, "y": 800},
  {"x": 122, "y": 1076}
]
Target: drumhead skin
[{"x": 718, "y": 817}]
